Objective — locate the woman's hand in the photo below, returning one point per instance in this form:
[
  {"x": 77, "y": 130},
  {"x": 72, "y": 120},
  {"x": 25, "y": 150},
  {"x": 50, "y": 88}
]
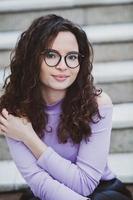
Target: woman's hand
[
  {"x": 15, "y": 127},
  {"x": 21, "y": 129}
]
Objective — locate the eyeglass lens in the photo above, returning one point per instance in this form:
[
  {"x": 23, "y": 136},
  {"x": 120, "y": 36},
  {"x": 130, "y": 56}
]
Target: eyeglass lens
[{"x": 52, "y": 58}]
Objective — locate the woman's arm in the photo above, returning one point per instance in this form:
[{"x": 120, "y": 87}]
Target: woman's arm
[
  {"x": 21, "y": 129},
  {"x": 41, "y": 183},
  {"x": 84, "y": 175}
]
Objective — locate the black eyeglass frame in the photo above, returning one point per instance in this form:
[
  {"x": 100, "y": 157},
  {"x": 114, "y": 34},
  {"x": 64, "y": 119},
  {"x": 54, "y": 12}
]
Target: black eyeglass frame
[{"x": 80, "y": 56}]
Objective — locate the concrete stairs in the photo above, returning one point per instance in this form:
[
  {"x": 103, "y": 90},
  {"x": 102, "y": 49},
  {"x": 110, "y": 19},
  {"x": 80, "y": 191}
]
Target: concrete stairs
[
  {"x": 19, "y": 14},
  {"x": 109, "y": 26}
]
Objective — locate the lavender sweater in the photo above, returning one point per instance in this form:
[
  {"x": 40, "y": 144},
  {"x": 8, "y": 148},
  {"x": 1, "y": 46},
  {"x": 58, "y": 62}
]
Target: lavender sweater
[{"x": 66, "y": 171}]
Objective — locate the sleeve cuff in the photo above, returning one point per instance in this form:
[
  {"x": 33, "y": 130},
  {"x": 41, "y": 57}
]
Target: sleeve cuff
[{"x": 42, "y": 160}]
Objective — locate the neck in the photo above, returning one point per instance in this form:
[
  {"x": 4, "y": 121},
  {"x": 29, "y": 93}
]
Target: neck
[{"x": 52, "y": 97}]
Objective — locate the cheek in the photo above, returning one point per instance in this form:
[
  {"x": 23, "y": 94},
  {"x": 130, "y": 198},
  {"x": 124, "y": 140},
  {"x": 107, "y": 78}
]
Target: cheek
[
  {"x": 44, "y": 72},
  {"x": 75, "y": 73},
  {"x": 43, "y": 77}
]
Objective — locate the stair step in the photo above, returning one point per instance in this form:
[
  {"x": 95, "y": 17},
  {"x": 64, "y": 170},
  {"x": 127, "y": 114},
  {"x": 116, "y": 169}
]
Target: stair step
[
  {"x": 123, "y": 116},
  {"x": 8, "y": 39},
  {"x": 113, "y": 71},
  {"x": 114, "y": 77},
  {"x": 14, "y": 5},
  {"x": 121, "y": 140},
  {"x": 11, "y": 179},
  {"x": 4, "y": 150},
  {"x": 109, "y": 33},
  {"x": 122, "y": 166},
  {"x": 122, "y": 133},
  {"x": 96, "y": 34},
  {"x": 17, "y": 15},
  {"x": 114, "y": 51},
  {"x": 4, "y": 72}
]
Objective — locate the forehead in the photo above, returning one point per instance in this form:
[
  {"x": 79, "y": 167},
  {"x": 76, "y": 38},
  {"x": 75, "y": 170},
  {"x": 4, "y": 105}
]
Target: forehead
[{"x": 65, "y": 42}]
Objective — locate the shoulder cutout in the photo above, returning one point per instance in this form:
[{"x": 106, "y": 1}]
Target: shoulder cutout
[{"x": 104, "y": 99}]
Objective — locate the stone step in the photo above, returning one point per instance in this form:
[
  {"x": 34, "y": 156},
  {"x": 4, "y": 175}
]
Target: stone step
[
  {"x": 14, "y": 5},
  {"x": 122, "y": 133},
  {"x": 122, "y": 165},
  {"x": 110, "y": 33},
  {"x": 17, "y": 15},
  {"x": 114, "y": 78},
  {"x": 118, "y": 47},
  {"x": 123, "y": 116},
  {"x": 11, "y": 179},
  {"x": 122, "y": 128},
  {"x": 4, "y": 72},
  {"x": 105, "y": 52},
  {"x": 108, "y": 72},
  {"x": 110, "y": 76},
  {"x": 97, "y": 34}
]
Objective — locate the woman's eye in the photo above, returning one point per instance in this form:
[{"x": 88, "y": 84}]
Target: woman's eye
[
  {"x": 51, "y": 55},
  {"x": 73, "y": 57}
]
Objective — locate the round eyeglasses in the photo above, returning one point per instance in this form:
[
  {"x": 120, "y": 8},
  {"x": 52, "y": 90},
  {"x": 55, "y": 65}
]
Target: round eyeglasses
[{"x": 52, "y": 58}]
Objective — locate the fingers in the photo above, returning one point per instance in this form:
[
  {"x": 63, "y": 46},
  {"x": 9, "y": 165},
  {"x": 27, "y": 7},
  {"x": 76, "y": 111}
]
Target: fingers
[
  {"x": 25, "y": 121},
  {"x": 3, "y": 129},
  {"x": 5, "y": 113},
  {"x": 3, "y": 121}
]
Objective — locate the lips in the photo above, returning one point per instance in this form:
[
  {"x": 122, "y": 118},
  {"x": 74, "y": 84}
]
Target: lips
[{"x": 60, "y": 77}]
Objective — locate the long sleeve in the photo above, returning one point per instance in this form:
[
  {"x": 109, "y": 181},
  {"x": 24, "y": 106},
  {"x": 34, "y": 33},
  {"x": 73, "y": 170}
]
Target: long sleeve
[
  {"x": 41, "y": 183},
  {"x": 84, "y": 175}
]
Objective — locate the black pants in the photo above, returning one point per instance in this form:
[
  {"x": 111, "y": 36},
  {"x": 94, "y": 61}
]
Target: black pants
[
  {"x": 107, "y": 190},
  {"x": 111, "y": 190}
]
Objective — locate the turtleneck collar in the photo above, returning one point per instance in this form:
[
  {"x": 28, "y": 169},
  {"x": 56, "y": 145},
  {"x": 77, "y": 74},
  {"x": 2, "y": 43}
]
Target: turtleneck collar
[{"x": 54, "y": 108}]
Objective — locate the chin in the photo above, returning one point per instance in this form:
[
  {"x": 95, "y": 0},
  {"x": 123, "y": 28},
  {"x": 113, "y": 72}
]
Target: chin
[{"x": 60, "y": 88}]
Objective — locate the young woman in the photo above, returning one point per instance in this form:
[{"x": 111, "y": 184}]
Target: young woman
[{"x": 57, "y": 124}]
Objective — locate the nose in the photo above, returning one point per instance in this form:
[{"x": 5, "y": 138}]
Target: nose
[{"x": 62, "y": 65}]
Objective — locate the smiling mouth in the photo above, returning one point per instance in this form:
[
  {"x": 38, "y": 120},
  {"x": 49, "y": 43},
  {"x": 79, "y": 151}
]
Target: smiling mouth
[{"x": 60, "y": 77}]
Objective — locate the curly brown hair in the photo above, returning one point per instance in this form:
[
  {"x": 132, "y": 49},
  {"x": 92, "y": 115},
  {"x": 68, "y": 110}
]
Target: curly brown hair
[{"x": 23, "y": 95}]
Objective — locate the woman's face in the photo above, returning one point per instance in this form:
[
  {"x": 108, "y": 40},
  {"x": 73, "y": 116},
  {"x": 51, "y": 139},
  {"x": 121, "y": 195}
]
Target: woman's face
[{"x": 61, "y": 76}]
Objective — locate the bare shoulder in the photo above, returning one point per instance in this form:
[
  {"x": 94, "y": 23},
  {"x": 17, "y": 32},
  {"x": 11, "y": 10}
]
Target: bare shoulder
[{"x": 104, "y": 99}]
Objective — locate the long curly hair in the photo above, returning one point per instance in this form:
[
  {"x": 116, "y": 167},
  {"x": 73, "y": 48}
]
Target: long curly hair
[{"x": 23, "y": 97}]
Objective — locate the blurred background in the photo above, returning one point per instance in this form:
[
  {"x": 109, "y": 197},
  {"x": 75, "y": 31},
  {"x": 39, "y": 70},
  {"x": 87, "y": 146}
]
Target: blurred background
[{"x": 109, "y": 27}]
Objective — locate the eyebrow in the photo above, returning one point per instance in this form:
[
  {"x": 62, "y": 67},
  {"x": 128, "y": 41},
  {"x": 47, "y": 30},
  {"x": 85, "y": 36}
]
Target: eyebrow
[{"x": 54, "y": 50}]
